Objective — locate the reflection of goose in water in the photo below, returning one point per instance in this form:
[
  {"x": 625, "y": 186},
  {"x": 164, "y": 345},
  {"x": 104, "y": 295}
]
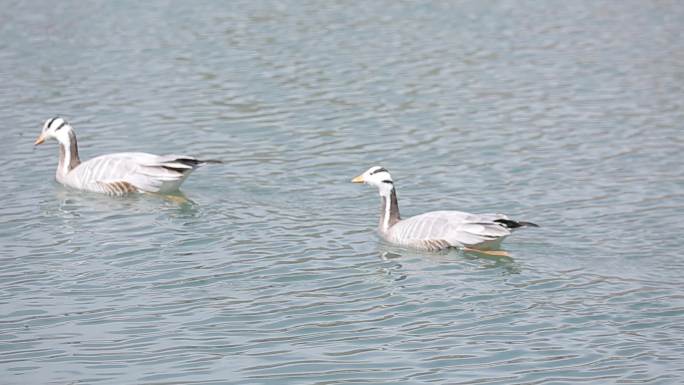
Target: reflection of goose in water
[
  {"x": 119, "y": 173},
  {"x": 437, "y": 230},
  {"x": 475, "y": 258}
]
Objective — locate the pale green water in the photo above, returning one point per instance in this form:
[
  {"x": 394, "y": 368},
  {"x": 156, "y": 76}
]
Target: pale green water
[{"x": 568, "y": 115}]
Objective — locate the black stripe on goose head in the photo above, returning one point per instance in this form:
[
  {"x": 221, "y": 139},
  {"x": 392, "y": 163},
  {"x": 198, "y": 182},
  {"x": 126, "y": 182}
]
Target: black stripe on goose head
[
  {"x": 51, "y": 121},
  {"x": 64, "y": 123},
  {"x": 381, "y": 169}
]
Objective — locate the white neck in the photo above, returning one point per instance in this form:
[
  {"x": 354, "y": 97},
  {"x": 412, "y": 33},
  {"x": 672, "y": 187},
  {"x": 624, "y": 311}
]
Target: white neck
[
  {"x": 68, "y": 153},
  {"x": 389, "y": 214},
  {"x": 64, "y": 166},
  {"x": 386, "y": 217}
]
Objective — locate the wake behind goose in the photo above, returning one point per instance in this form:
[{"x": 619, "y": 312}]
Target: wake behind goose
[
  {"x": 436, "y": 230},
  {"x": 118, "y": 173}
]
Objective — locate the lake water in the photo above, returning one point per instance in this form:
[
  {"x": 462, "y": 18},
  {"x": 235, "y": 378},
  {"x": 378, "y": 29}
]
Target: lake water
[{"x": 568, "y": 114}]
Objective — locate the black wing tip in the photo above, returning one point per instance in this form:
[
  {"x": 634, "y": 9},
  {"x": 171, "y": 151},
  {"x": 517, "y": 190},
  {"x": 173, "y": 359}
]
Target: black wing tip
[
  {"x": 192, "y": 162},
  {"x": 176, "y": 169},
  {"x": 511, "y": 224}
]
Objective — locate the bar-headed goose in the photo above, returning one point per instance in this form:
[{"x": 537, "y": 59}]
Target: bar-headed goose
[
  {"x": 119, "y": 173},
  {"x": 436, "y": 230}
]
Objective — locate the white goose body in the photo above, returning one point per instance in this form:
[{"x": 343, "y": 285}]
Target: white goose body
[
  {"x": 436, "y": 230},
  {"x": 118, "y": 173}
]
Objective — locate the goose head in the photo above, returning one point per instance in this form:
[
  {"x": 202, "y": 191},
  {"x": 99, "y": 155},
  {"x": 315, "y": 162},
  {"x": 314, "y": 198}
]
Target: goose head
[
  {"x": 55, "y": 128},
  {"x": 377, "y": 176}
]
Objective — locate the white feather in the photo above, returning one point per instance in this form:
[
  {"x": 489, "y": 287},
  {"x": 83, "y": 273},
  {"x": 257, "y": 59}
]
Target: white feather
[
  {"x": 435, "y": 230},
  {"x": 117, "y": 173},
  {"x": 147, "y": 172}
]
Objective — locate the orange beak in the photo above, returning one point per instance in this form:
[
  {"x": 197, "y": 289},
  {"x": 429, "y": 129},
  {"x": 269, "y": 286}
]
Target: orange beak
[
  {"x": 358, "y": 179},
  {"x": 40, "y": 139}
]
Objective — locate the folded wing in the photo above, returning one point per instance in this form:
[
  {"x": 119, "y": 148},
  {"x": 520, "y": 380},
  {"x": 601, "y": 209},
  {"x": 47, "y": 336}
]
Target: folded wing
[
  {"x": 455, "y": 228},
  {"x": 116, "y": 173}
]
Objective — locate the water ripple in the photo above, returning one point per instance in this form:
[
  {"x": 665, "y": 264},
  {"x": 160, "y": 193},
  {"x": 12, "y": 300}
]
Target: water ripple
[{"x": 271, "y": 272}]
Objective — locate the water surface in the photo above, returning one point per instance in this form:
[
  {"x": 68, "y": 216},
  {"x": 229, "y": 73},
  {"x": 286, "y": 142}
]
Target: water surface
[{"x": 568, "y": 115}]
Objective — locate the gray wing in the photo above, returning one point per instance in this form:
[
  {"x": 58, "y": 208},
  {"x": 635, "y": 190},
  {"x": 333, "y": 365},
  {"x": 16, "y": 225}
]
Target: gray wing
[
  {"x": 115, "y": 173},
  {"x": 456, "y": 228}
]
